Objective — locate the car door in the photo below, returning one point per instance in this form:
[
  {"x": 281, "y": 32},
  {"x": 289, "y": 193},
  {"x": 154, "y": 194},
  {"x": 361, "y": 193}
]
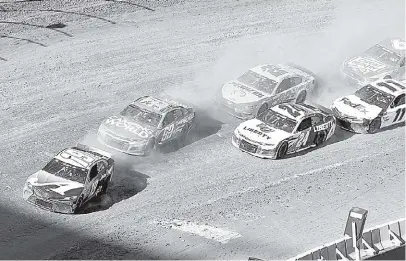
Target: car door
[
  {"x": 395, "y": 112},
  {"x": 302, "y": 134},
  {"x": 288, "y": 89},
  {"x": 168, "y": 128},
  {"x": 91, "y": 182}
]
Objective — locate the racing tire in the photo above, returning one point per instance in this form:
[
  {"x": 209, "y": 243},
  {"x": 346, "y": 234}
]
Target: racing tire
[
  {"x": 150, "y": 147},
  {"x": 301, "y": 97},
  {"x": 78, "y": 207},
  {"x": 264, "y": 107},
  {"x": 374, "y": 125},
  {"x": 104, "y": 186},
  {"x": 319, "y": 139},
  {"x": 282, "y": 150},
  {"x": 183, "y": 137}
]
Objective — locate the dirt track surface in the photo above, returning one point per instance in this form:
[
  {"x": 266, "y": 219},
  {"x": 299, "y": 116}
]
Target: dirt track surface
[{"x": 58, "y": 84}]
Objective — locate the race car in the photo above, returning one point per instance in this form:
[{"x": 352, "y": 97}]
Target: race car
[
  {"x": 147, "y": 123},
  {"x": 72, "y": 178},
  {"x": 383, "y": 60},
  {"x": 285, "y": 129},
  {"x": 376, "y": 105},
  {"x": 262, "y": 87}
]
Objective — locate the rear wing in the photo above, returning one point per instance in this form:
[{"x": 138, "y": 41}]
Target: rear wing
[{"x": 99, "y": 152}]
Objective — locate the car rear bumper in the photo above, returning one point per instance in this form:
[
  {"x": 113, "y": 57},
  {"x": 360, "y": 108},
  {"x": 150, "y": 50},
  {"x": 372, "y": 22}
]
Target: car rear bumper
[{"x": 119, "y": 145}]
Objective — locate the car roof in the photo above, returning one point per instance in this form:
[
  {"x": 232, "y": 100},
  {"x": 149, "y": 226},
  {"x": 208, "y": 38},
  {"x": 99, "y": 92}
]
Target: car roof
[
  {"x": 294, "y": 111},
  {"x": 154, "y": 104},
  {"x": 272, "y": 71},
  {"x": 389, "y": 86},
  {"x": 396, "y": 45},
  {"x": 77, "y": 157}
]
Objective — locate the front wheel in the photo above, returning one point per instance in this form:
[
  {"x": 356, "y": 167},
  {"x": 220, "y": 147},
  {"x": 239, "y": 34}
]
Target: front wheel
[
  {"x": 301, "y": 97},
  {"x": 374, "y": 125},
  {"x": 319, "y": 139},
  {"x": 150, "y": 147},
  {"x": 282, "y": 150},
  {"x": 104, "y": 186},
  {"x": 78, "y": 206}
]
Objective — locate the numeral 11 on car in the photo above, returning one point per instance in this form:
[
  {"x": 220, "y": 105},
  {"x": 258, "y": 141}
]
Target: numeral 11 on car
[{"x": 399, "y": 114}]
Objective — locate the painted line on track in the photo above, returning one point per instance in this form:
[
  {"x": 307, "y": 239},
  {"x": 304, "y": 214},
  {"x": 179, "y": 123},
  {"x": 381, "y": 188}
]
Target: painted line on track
[{"x": 290, "y": 178}]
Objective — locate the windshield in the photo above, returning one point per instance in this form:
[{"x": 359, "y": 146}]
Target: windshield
[
  {"x": 278, "y": 121},
  {"x": 141, "y": 115},
  {"x": 372, "y": 95},
  {"x": 66, "y": 171},
  {"x": 257, "y": 81},
  {"x": 384, "y": 55}
]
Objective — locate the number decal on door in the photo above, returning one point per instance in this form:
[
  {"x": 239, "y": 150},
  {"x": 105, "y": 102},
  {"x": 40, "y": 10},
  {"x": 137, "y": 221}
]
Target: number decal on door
[
  {"x": 399, "y": 114},
  {"x": 168, "y": 132},
  {"x": 301, "y": 141}
]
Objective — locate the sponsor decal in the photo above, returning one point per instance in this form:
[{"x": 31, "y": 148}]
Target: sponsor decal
[
  {"x": 239, "y": 93},
  {"x": 252, "y": 91},
  {"x": 324, "y": 126},
  {"x": 289, "y": 109},
  {"x": 154, "y": 103},
  {"x": 366, "y": 65},
  {"x": 398, "y": 44},
  {"x": 259, "y": 133},
  {"x": 357, "y": 106},
  {"x": 129, "y": 126}
]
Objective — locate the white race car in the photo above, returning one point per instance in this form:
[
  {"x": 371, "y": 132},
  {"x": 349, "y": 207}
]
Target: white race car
[
  {"x": 262, "y": 87},
  {"x": 376, "y": 105},
  {"x": 284, "y": 129}
]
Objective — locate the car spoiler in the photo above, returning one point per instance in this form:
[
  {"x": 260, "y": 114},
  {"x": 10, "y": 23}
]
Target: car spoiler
[{"x": 100, "y": 152}]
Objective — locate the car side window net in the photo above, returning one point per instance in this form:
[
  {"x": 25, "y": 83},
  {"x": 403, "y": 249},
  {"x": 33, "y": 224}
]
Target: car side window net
[{"x": 306, "y": 123}]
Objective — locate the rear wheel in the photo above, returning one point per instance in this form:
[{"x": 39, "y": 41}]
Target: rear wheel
[
  {"x": 104, "y": 186},
  {"x": 282, "y": 150},
  {"x": 262, "y": 109},
  {"x": 374, "y": 125},
  {"x": 319, "y": 139},
  {"x": 301, "y": 97}
]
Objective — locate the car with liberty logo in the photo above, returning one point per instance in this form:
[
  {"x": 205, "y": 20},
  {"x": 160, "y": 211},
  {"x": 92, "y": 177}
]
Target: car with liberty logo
[
  {"x": 375, "y": 106},
  {"x": 285, "y": 129},
  {"x": 384, "y": 60},
  {"x": 262, "y": 87},
  {"x": 71, "y": 178},
  {"x": 147, "y": 123}
]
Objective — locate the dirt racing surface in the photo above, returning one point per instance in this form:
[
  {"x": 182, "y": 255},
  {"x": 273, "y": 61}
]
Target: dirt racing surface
[{"x": 66, "y": 65}]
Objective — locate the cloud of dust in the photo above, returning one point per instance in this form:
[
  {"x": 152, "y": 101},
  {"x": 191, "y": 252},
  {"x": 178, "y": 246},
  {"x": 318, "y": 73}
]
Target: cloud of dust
[{"x": 355, "y": 27}]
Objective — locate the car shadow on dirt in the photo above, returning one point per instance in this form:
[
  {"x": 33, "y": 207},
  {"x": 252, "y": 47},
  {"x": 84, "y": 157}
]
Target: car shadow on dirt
[
  {"x": 126, "y": 183},
  {"x": 204, "y": 126}
]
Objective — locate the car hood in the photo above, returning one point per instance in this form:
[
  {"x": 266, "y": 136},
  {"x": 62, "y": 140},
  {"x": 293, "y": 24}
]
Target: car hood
[
  {"x": 126, "y": 128},
  {"x": 260, "y": 132},
  {"x": 47, "y": 185},
  {"x": 366, "y": 66},
  {"x": 353, "y": 107},
  {"x": 237, "y": 92}
]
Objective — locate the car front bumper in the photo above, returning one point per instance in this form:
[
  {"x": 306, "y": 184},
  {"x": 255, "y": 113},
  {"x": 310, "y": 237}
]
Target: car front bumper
[
  {"x": 348, "y": 125},
  {"x": 252, "y": 149},
  {"x": 65, "y": 207}
]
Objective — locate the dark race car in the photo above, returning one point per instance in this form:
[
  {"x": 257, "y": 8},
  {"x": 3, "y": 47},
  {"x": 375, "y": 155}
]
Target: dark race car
[
  {"x": 262, "y": 87},
  {"x": 146, "y": 123},
  {"x": 383, "y": 60},
  {"x": 376, "y": 105},
  {"x": 285, "y": 129},
  {"x": 72, "y": 178}
]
